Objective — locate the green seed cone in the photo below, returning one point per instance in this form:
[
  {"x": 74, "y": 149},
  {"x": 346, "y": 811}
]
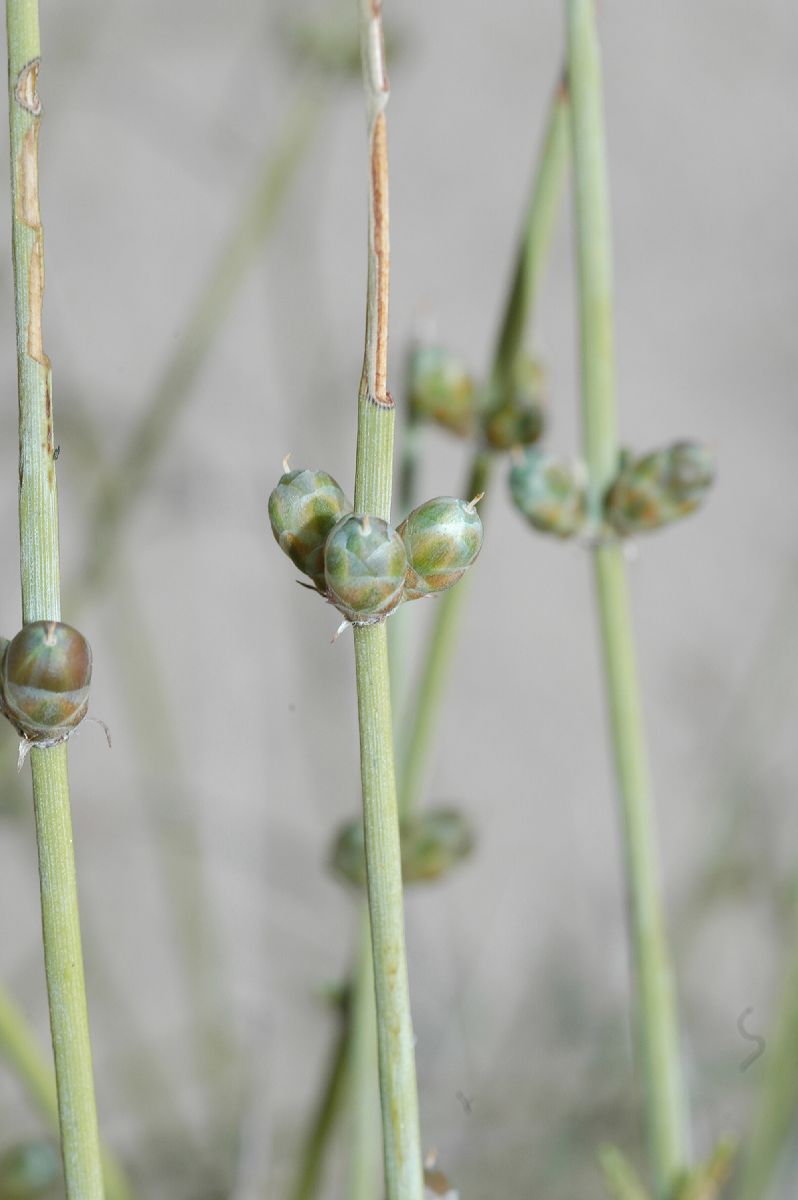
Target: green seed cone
[
  {"x": 31, "y": 1171},
  {"x": 441, "y": 389},
  {"x": 517, "y": 417},
  {"x": 303, "y": 508},
  {"x": 364, "y": 565},
  {"x": 661, "y": 487},
  {"x": 44, "y": 680},
  {"x": 549, "y": 493},
  {"x": 432, "y": 844},
  {"x": 442, "y": 538}
]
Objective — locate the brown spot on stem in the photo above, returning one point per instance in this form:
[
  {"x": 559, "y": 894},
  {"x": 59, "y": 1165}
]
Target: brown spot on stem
[
  {"x": 382, "y": 250},
  {"x": 25, "y": 91}
]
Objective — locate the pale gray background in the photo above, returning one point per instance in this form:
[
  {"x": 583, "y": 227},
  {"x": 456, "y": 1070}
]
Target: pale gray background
[{"x": 157, "y": 119}]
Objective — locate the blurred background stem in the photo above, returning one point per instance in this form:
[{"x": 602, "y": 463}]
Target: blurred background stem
[
  {"x": 538, "y": 230},
  {"x": 19, "y": 1047},
  {"x": 656, "y": 1020}
]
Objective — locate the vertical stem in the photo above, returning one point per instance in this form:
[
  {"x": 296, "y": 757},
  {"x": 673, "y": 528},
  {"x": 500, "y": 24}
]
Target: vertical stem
[
  {"x": 38, "y": 514},
  {"x": 315, "y": 1144},
  {"x": 373, "y": 475},
  {"x": 656, "y": 1009},
  {"x": 21, "y": 1049},
  {"x": 363, "y": 1072}
]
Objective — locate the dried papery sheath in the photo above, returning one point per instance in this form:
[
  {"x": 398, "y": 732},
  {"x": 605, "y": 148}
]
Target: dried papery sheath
[
  {"x": 661, "y": 487},
  {"x": 549, "y": 492},
  {"x": 44, "y": 681},
  {"x": 365, "y": 563},
  {"x": 441, "y": 389},
  {"x": 443, "y": 538},
  {"x": 518, "y": 417},
  {"x": 303, "y": 508},
  {"x": 433, "y": 843}
]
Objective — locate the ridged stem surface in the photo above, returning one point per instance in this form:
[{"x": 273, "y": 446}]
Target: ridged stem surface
[
  {"x": 39, "y": 560},
  {"x": 373, "y": 476},
  {"x": 656, "y": 1022}
]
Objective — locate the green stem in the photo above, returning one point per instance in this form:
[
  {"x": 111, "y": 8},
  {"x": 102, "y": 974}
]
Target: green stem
[
  {"x": 533, "y": 252},
  {"x": 373, "y": 476},
  {"x": 435, "y": 671},
  {"x": 207, "y": 317},
  {"x": 363, "y": 1072},
  {"x": 656, "y": 1009},
  {"x": 20, "y": 1048},
  {"x": 777, "y": 1108},
  {"x": 539, "y": 224},
  {"x": 39, "y": 561},
  {"x": 315, "y": 1144}
]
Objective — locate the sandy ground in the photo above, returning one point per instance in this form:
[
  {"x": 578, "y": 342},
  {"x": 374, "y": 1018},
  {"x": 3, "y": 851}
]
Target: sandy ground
[{"x": 230, "y": 709}]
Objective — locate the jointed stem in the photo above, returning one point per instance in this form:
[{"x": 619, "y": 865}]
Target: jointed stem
[
  {"x": 656, "y": 1010},
  {"x": 38, "y": 513},
  {"x": 373, "y": 474}
]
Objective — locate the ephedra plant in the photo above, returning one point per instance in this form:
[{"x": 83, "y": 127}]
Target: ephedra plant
[
  {"x": 46, "y": 668},
  {"x": 366, "y": 568}
]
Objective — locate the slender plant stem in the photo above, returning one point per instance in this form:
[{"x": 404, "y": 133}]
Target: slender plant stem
[
  {"x": 533, "y": 253},
  {"x": 656, "y": 1009},
  {"x": 232, "y": 266},
  {"x": 315, "y": 1144},
  {"x": 363, "y": 1072},
  {"x": 373, "y": 476},
  {"x": 538, "y": 230},
  {"x": 19, "y": 1047},
  {"x": 777, "y": 1108},
  {"x": 39, "y": 559}
]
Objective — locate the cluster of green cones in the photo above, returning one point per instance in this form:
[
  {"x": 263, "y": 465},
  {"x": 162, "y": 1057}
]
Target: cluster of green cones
[
  {"x": 360, "y": 563},
  {"x": 646, "y": 493}
]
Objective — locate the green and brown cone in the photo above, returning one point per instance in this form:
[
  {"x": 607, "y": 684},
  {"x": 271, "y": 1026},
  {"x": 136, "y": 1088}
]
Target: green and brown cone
[
  {"x": 432, "y": 843},
  {"x": 441, "y": 389},
  {"x": 303, "y": 508},
  {"x": 516, "y": 417},
  {"x": 31, "y": 1171},
  {"x": 443, "y": 538},
  {"x": 364, "y": 565},
  {"x": 549, "y": 493},
  {"x": 661, "y": 487}
]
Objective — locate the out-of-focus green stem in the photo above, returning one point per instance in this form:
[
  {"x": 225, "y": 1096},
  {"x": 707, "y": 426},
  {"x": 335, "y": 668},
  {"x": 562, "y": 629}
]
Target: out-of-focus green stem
[
  {"x": 533, "y": 252},
  {"x": 435, "y": 671},
  {"x": 656, "y": 1008},
  {"x": 373, "y": 477},
  {"x": 776, "y": 1114},
  {"x": 39, "y": 562},
  {"x": 311, "y": 1158},
  {"x": 538, "y": 231},
  {"x": 363, "y": 1073},
  {"x": 199, "y": 332},
  {"x": 20, "y": 1048}
]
